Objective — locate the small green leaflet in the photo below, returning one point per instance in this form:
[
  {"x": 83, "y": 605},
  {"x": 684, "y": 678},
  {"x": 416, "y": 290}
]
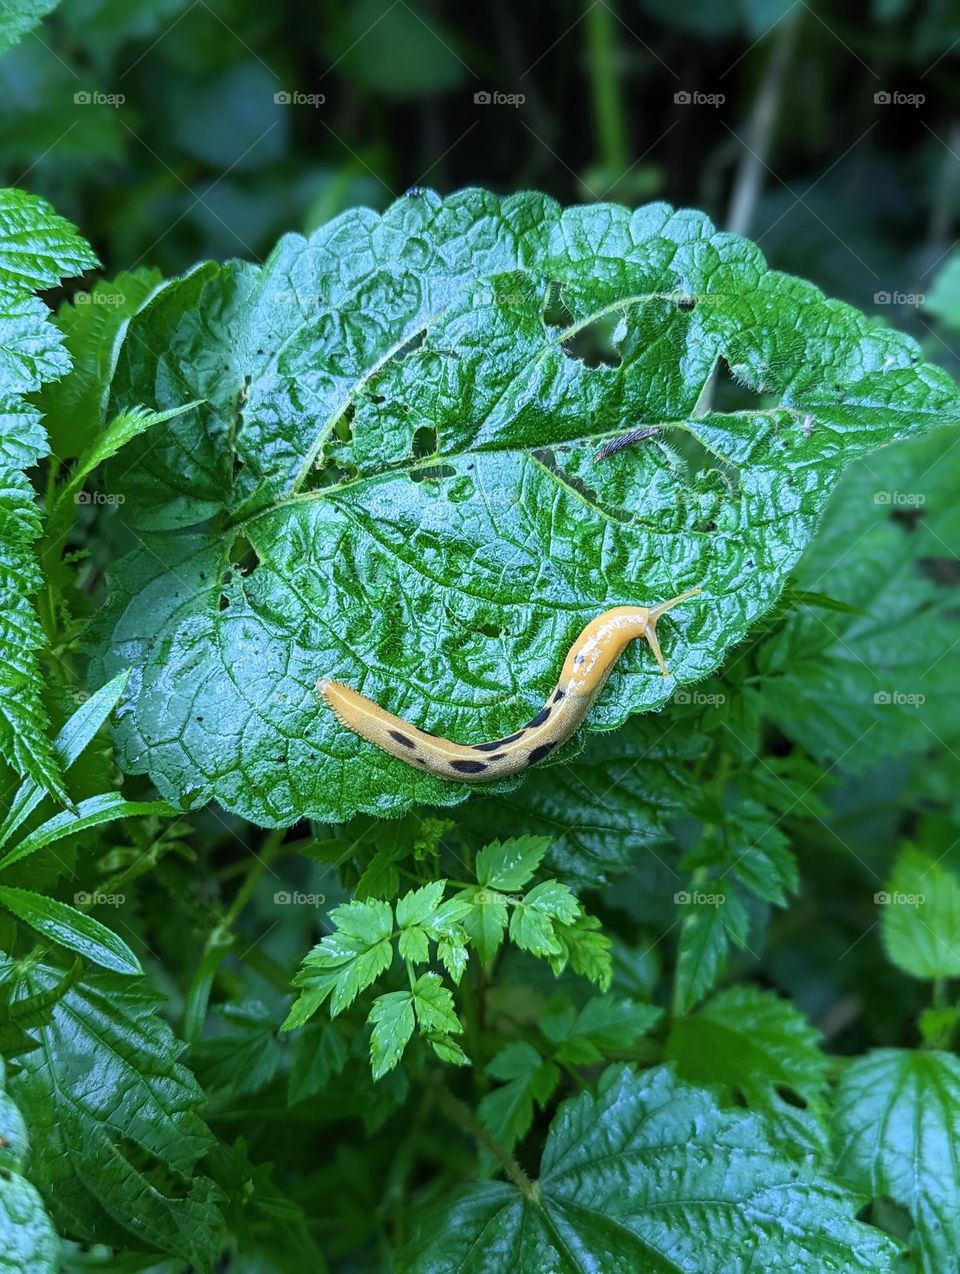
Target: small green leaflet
[
  {"x": 509, "y": 865},
  {"x": 633, "y": 1178},
  {"x": 345, "y": 962},
  {"x": 396, "y": 435},
  {"x": 507, "y": 1110},
  {"x": 605, "y": 1024},
  {"x": 897, "y": 1124},
  {"x": 430, "y": 1004},
  {"x": 709, "y": 919},
  {"x": 534, "y": 916},
  {"x": 70, "y": 928}
]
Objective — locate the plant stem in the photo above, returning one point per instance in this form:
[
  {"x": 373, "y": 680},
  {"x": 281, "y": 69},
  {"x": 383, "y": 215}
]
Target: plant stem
[
  {"x": 461, "y": 1114},
  {"x": 220, "y": 940},
  {"x": 608, "y": 113}
]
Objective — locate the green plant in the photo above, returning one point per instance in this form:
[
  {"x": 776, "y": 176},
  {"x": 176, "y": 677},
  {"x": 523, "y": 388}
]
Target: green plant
[{"x": 373, "y": 457}]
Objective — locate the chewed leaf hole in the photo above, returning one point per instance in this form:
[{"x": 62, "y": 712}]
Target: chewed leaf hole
[
  {"x": 593, "y": 345},
  {"x": 243, "y": 556},
  {"x": 425, "y": 443},
  {"x": 555, "y": 311}
]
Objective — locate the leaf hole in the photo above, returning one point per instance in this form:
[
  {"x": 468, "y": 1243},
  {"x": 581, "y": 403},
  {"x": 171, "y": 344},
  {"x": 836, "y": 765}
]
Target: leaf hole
[
  {"x": 411, "y": 346},
  {"x": 909, "y": 519},
  {"x": 243, "y": 556},
  {"x": 425, "y": 443},
  {"x": 791, "y": 1097},
  {"x": 555, "y": 311}
]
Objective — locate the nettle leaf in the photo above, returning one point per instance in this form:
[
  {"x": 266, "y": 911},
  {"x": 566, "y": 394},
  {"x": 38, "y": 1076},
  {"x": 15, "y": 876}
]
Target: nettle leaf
[
  {"x": 392, "y": 481},
  {"x": 897, "y": 1120},
  {"x": 884, "y": 680},
  {"x": 28, "y": 1240},
  {"x": 115, "y": 1158},
  {"x": 920, "y": 916},
  {"x": 37, "y": 250},
  {"x": 761, "y": 1048},
  {"x": 634, "y": 1178}
]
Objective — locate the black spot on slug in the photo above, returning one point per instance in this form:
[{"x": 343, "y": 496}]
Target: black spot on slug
[
  {"x": 468, "y": 767},
  {"x": 539, "y": 718},
  {"x": 402, "y": 738},
  {"x": 537, "y": 754},
  {"x": 499, "y": 757},
  {"x": 558, "y": 696},
  {"x": 498, "y": 743},
  {"x": 578, "y": 659}
]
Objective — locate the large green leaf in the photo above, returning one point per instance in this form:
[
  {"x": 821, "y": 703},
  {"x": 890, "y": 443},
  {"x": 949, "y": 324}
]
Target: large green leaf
[
  {"x": 640, "y": 1178},
  {"x": 113, "y": 1115},
  {"x": 884, "y": 679},
  {"x": 37, "y": 249},
  {"x": 897, "y": 1128},
  {"x": 391, "y": 480},
  {"x": 28, "y": 1242}
]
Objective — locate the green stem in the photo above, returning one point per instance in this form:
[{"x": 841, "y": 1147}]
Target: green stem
[
  {"x": 608, "y": 112},
  {"x": 220, "y": 940},
  {"x": 461, "y": 1114}
]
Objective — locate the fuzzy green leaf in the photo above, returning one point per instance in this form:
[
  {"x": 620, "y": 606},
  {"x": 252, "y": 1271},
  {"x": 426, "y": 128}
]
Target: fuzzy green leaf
[
  {"x": 635, "y": 1178},
  {"x": 37, "y": 250},
  {"x": 116, "y": 1158},
  {"x": 397, "y": 437},
  {"x": 897, "y": 1121},
  {"x": 920, "y": 916}
]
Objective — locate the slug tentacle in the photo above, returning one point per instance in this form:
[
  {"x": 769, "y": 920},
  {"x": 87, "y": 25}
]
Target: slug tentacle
[{"x": 586, "y": 668}]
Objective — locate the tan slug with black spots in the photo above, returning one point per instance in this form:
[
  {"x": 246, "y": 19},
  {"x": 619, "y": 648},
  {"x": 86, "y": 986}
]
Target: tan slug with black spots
[{"x": 587, "y": 666}]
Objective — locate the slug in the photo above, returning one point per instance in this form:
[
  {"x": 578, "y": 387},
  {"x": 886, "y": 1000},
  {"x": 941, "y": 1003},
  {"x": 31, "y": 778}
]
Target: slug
[{"x": 587, "y": 666}]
